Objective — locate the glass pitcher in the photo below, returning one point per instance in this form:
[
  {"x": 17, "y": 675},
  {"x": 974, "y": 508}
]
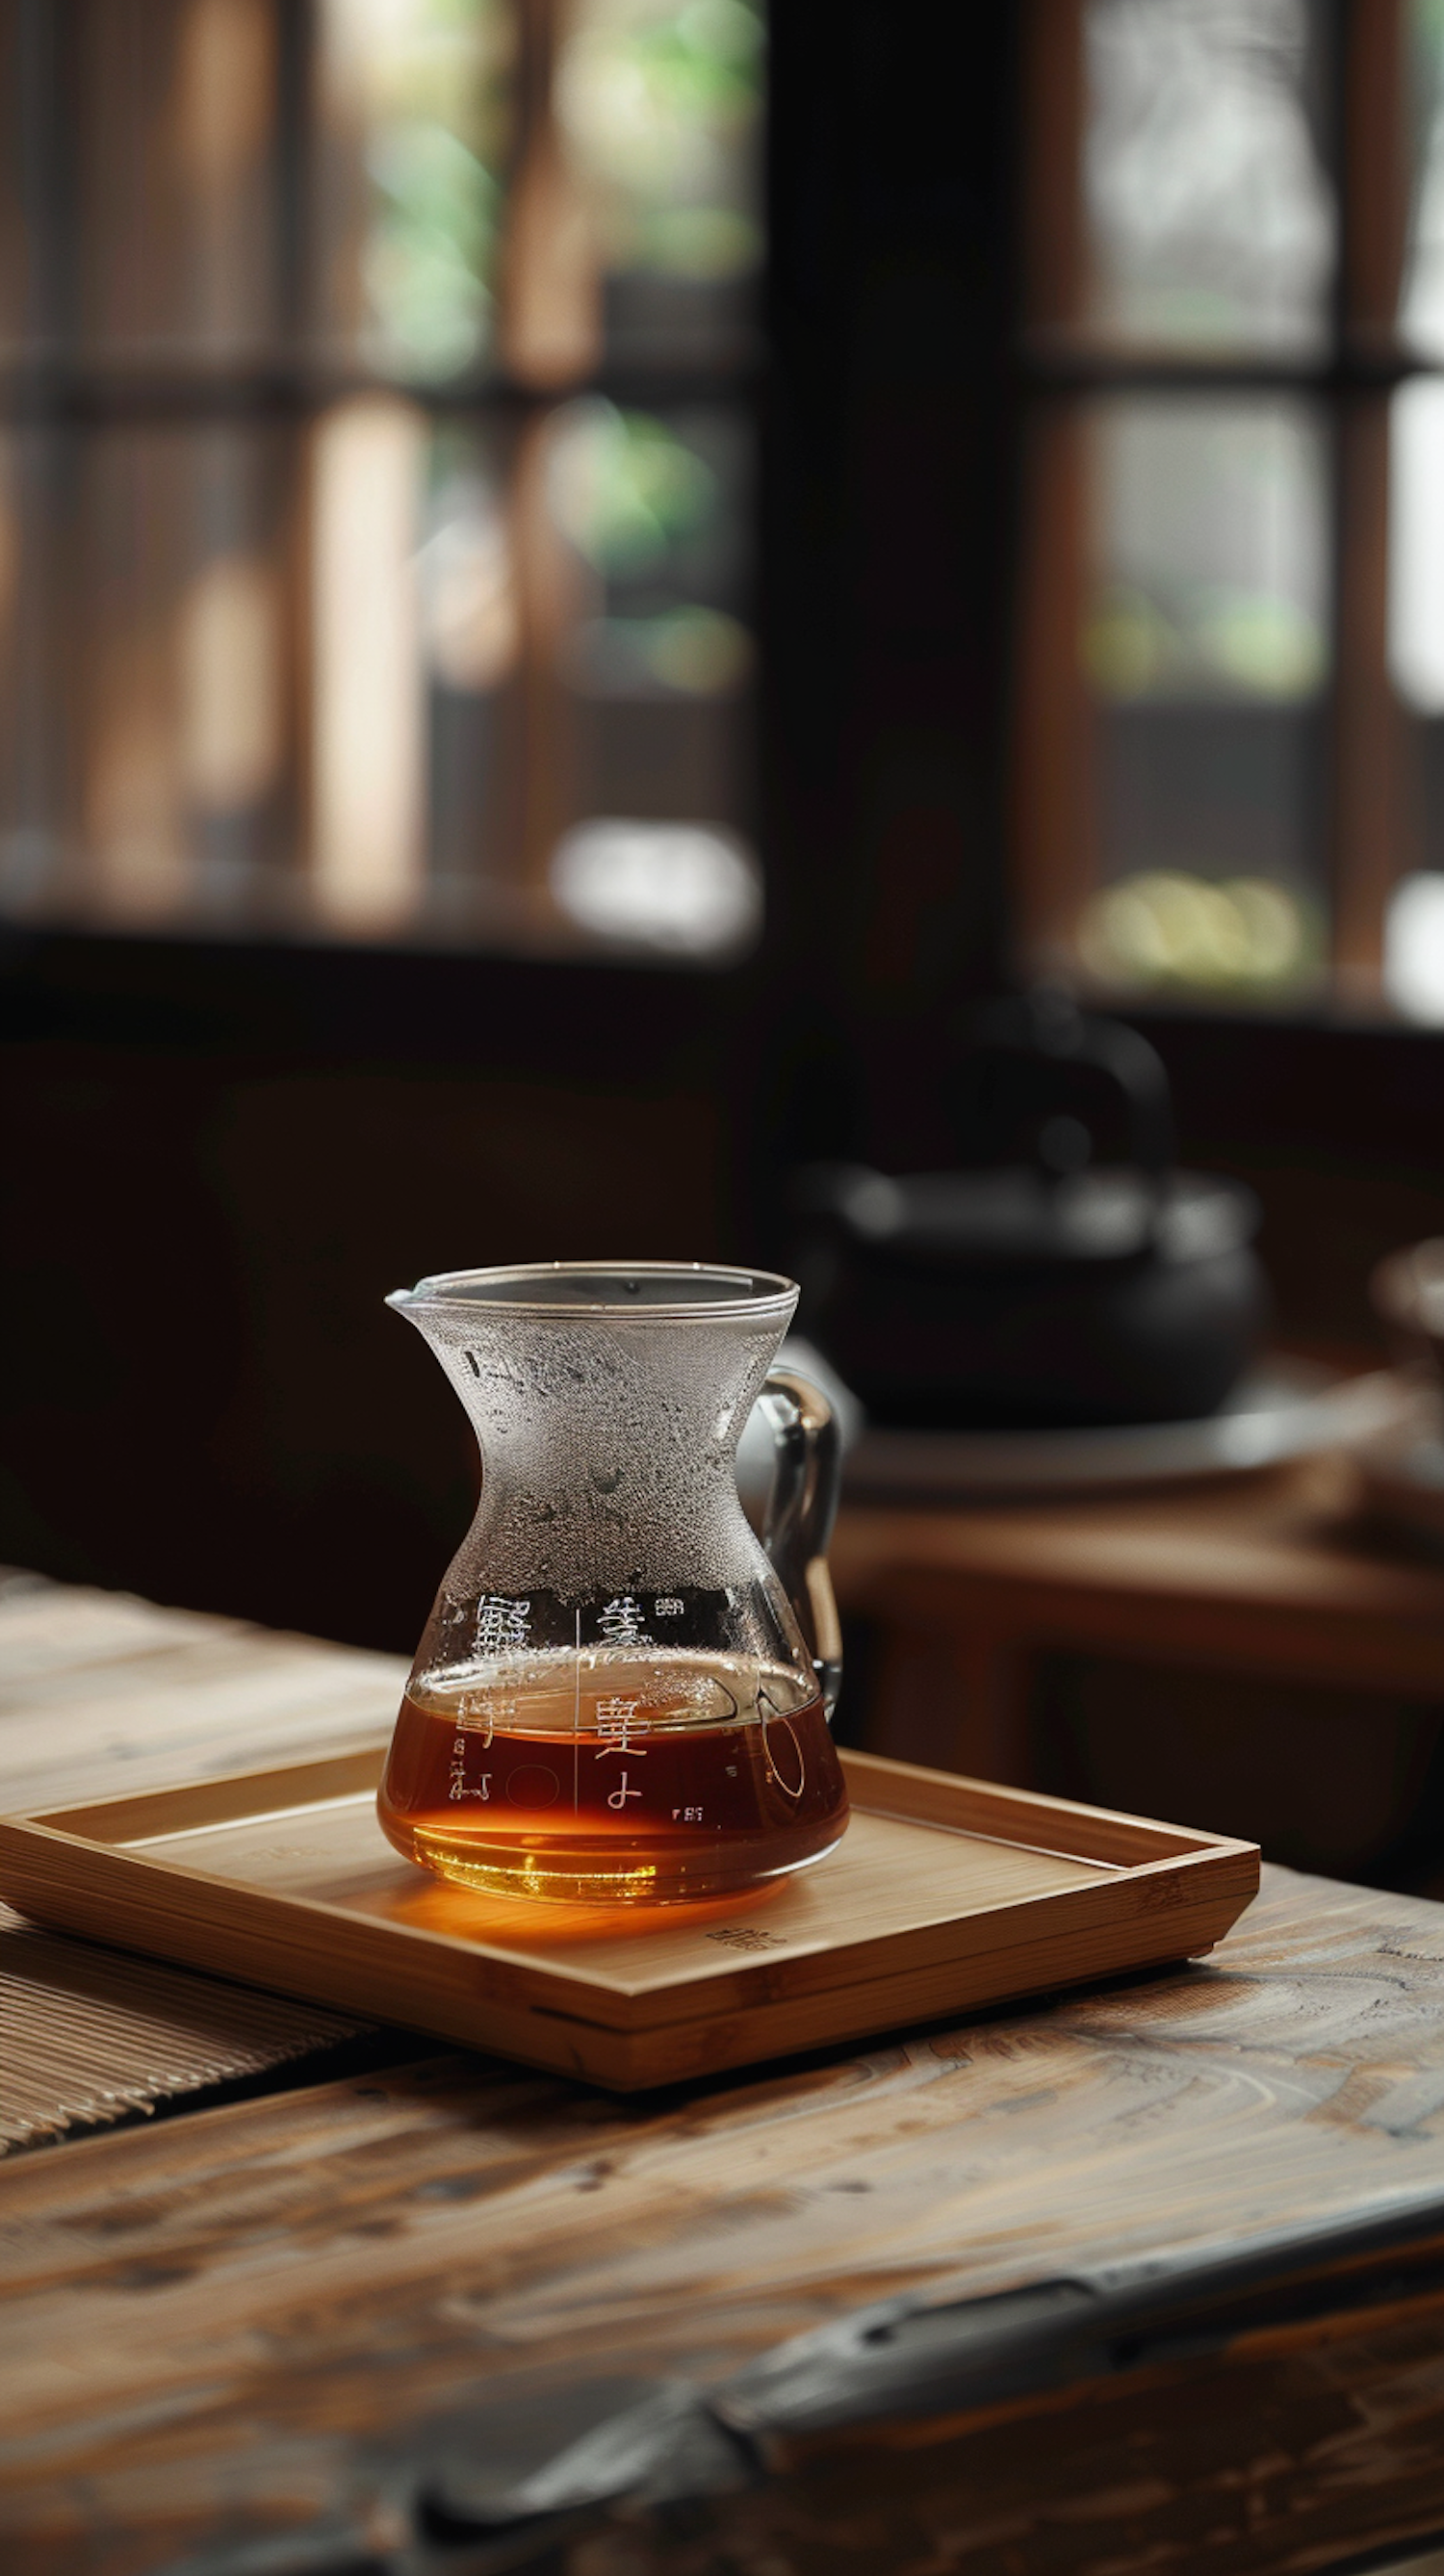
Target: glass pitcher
[{"x": 621, "y": 1694}]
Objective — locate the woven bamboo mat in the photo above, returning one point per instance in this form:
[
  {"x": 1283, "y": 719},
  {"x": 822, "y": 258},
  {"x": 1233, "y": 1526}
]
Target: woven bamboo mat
[
  {"x": 100, "y": 1693},
  {"x": 88, "y": 2036}
]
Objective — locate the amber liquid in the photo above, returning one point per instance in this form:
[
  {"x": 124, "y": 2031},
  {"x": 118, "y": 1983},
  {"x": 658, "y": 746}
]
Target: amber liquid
[{"x": 613, "y": 1784}]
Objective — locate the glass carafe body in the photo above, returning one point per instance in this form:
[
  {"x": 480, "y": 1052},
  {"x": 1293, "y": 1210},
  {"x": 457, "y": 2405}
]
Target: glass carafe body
[{"x": 623, "y": 1694}]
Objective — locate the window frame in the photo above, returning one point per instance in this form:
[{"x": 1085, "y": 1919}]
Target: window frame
[
  {"x": 1351, "y": 383},
  {"x": 65, "y": 391}
]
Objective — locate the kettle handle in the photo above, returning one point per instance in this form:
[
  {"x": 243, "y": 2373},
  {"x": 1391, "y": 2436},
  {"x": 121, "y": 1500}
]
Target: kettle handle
[
  {"x": 1049, "y": 1027},
  {"x": 800, "y": 1513}
]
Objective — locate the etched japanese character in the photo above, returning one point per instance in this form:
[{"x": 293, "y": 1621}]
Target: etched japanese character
[
  {"x": 502, "y": 1626},
  {"x": 618, "y": 1722},
  {"x": 621, "y": 1622}
]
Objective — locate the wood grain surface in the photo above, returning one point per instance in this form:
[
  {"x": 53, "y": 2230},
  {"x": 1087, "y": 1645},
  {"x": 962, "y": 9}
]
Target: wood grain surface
[
  {"x": 101, "y": 1693},
  {"x": 296, "y": 2316},
  {"x": 1149, "y": 2279}
]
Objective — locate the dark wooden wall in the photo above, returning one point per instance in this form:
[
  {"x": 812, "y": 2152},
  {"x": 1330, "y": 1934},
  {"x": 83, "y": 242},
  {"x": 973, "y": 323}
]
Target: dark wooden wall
[
  {"x": 1340, "y": 1130},
  {"x": 214, "y": 1165}
]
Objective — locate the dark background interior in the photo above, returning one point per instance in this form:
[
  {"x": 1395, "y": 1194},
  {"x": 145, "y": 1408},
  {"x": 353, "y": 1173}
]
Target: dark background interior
[{"x": 217, "y": 1158}]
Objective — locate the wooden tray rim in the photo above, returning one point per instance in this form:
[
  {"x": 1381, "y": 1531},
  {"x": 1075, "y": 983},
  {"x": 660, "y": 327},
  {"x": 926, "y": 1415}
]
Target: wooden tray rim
[{"x": 1192, "y": 1869}]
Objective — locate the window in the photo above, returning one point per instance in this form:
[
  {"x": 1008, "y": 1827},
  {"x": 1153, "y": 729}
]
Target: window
[
  {"x": 375, "y": 482},
  {"x": 1231, "y": 678}
]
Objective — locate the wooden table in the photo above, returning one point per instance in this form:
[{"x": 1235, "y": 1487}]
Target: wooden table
[
  {"x": 1269, "y": 1574},
  {"x": 1149, "y": 2278}
]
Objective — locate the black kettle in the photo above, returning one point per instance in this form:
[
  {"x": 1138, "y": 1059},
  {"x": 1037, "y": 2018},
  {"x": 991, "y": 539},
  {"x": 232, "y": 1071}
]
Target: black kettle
[{"x": 1050, "y": 1292}]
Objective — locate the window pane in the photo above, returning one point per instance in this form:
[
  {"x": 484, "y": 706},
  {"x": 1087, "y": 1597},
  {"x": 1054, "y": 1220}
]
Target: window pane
[
  {"x": 1210, "y": 215},
  {"x": 621, "y": 217},
  {"x": 656, "y": 666},
  {"x": 1414, "y": 946},
  {"x": 23, "y": 320},
  {"x": 138, "y": 179},
  {"x": 1421, "y": 303},
  {"x": 1206, "y": 653},
  {"x": 1416, "y": 544},
  {"x": 415, "y": 109},
  {"x": 515, "y": 632},
  {"x": 660, "y": 114},
  {"x": 149, "y": 768}
]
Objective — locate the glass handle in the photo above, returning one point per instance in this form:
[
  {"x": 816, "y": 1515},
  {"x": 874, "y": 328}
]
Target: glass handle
[{"x": 800, "y": 1513}]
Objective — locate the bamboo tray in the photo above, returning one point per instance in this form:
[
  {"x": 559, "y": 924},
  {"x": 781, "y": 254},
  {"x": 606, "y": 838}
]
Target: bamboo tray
[{"x": 946, "y": 1895}]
